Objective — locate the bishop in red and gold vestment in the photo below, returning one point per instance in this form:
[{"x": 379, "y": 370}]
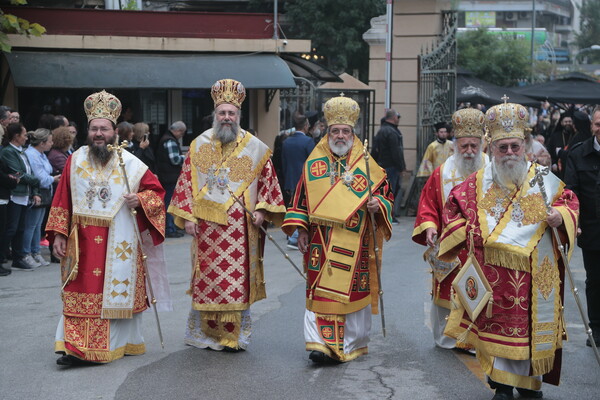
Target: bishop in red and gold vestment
[
  {"x": 467, "y": 158},
  {"x": 502, "y": 219},
  {"x": 102, "y": 271},
  {"x": 331, "y": 209},
  {"x": 227, "y": 251}
]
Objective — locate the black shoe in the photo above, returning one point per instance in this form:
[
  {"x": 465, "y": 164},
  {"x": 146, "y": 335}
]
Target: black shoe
[
  {"x": 319, "y": 357},
  {"x": 70, "y": 361},
  {"x": 530, "y": 394},
  {"x": 174, "y": 235},
  {"x": 228, "y": 349},
  {"x": 502, "y": 395},
  {"x": 4, "y": 271},
  {"x": 503, "y": 392},
  {"x": 54, "y": 260},
  {"x": 21, "y": 265}
]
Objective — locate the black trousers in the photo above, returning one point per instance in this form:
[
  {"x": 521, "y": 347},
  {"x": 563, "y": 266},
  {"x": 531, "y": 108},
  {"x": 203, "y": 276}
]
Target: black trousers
[{"x": 591, "y": 262}]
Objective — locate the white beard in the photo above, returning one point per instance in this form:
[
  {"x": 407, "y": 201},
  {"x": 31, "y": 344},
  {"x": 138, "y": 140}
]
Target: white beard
[
  {"x": 341, "y": 147},
  {"x": 225, "y": 134},
  {"x": 511, "y": 170},
  {"x": 466, "y": 164}
]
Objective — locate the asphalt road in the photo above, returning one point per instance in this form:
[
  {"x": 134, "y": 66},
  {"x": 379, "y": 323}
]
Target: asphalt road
[{"x": 404, "y": 365}]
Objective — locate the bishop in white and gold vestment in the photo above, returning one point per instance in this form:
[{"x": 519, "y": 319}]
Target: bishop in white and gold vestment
[{"x": 102, "y": 270}]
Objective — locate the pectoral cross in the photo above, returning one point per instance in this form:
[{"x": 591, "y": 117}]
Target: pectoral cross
[{"x": 498, "y": 209}]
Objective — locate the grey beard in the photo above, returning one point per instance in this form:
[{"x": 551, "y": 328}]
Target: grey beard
[
  {"x": 467, "y": 165},
  {"x": 100, "y": 154},
  {"x": 511, "y": 170},
  {"x": 225, "y": 134},
  {"x": 339, "y": 149}
]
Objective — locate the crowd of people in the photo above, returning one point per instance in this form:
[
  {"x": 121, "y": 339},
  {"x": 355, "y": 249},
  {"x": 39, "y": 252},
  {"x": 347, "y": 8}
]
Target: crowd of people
[
  {"x": 487, "y": 213},
  {"x": 31, "y": 165}
]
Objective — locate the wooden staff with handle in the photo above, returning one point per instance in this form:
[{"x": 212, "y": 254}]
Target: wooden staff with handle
[
  {"x": 287, "y": 257},
  {"x": 119, "y": 150},
  {"x": 367, "y": 156}
]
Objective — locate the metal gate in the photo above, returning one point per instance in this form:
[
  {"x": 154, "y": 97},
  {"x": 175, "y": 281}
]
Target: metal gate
[
  {"x": 301, "y": 98},
  {"x": 437, "y": 95}
]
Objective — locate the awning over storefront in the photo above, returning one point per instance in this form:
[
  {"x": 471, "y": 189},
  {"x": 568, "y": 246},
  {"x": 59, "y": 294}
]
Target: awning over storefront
[{"x": 146, "y": 71}]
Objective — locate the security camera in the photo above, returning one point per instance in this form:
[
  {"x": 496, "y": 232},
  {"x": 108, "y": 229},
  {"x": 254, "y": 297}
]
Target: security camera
[{"x": 285, "y": 42}]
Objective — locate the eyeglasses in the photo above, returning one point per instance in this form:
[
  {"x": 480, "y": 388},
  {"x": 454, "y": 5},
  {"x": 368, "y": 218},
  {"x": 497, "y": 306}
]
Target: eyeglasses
[
  {"x": 514, "y": 147},
  {"x": 102, "y": 129}
]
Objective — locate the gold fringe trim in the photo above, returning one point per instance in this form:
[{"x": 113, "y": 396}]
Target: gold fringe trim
[
  {"x": 542, "y": 366},
  {"x": 224, "y": 317},
  {"x": 326, "y": 222},
  {"x": 103, "y": 356},
  {"x": 343, "y": 357},
  {"x": 329, "y": 317},
  {"x": 506, "y": 259},
  {"x": 115, "y": 313},
  {"x": 332, "y": 296},
  {"x": 92, "y": 221},
  {"x": 219, "y": 333},
  {"x": 462, "y": 338},
  {"x": 202, "y": 210}
]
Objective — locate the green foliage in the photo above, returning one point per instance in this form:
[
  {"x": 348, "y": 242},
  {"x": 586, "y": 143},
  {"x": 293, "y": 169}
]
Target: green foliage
[
  {"x": 589, "y": 26},
  {"x": 335, "y": 28},
  {"x": 11, "y": 24},
  {"x": 497, "y": 59},
  {"x": 130, "y": 6}
]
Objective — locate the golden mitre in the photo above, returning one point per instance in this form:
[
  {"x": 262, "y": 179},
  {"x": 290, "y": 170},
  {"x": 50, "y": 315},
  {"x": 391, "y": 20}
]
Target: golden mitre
[
  {"x": 102, "y": 105},
  {"x": 341, "y": 110},
  {"x": 228, "y": 91},
  {"x": 468, "y": 122},
  {"x": 506, "y": 120}
]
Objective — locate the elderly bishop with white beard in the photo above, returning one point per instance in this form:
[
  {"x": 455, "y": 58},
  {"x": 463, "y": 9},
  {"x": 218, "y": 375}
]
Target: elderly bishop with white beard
[
  {"x": 501, "y": 219},
  {"x": 227, "y": 250},
  {"x": 467, "y": 159}
]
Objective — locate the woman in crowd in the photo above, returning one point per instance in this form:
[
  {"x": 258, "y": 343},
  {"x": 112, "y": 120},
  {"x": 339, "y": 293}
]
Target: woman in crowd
[
  {"x": 7, "y": 183},
  {"x": 125, "y": 132},
  {"x": 141, "y": 144},
  {"x": 62, "y": 141},
  {"x": 25, "y": 193},
  {"x": 40, "y": 142}
]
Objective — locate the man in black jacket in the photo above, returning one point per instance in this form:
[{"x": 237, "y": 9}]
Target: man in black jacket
[
  {"x": 389, "y": 153},
  {"x": 582, "y": 176}
]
